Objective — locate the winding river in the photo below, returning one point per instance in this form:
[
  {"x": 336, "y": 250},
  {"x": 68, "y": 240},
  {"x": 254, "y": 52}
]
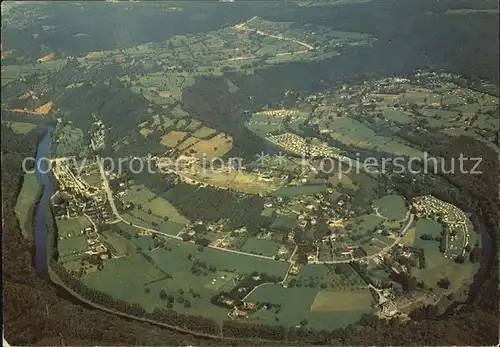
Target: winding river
[{"x": 40, "y": 223}]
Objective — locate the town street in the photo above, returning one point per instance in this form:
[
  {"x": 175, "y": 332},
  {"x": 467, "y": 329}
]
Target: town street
[{"x": 383, "y": 251}]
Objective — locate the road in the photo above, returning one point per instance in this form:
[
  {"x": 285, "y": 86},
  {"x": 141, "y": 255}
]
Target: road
[{"x": 383, "y": 251}]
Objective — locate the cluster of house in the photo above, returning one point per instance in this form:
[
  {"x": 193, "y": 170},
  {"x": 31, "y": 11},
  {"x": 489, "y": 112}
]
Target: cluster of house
[
  {"x": 456, "y": 222},
  {"x": 94, "y": 246},
  {"x": 296, "y": 144},
  {"x": 283, "y": 113},
  {"x": 79, "y": 197},
  {"x": 304, "y": 206}
]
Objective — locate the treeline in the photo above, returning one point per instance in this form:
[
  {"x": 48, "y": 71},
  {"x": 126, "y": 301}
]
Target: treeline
[{"x": 302, "y": 334}]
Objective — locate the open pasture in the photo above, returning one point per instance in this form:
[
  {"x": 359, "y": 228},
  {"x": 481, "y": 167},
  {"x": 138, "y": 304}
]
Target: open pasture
[
  {"x": 342, "y": 301},
  {"x": 119, "y": 245},
  {"x": 262, "y": 247},
  {"x": 20, "y": 127},
  {"x": 124, "y": 278},
  {"x": 149, "y": 221},
  {"x": 223, "y": 261},
  {"x": 25, "y": 203},
  {"x": 409, "y": 238},
  {"x": 242, "y": 181},
  {"x": 72, "y": 245},
  {"x": 391, "y": 207},
  {"x": 138, "y": 195},
  {"x": 398, "y": 116}
]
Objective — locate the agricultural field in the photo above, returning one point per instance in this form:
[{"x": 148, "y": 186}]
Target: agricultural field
[
  {"x": 438, "y": 267},
  {"x": 365, "y": 223},
  {"x": 20, "y": 127},
  {"x": 72, "y": 245},
  {"x": 285, "y": 222},
  {"x": 335, "y": 277},
  {"x": 124, "y": 278},
  {"x": 145, "y": 242},
  {"x": 300, "y": 190},
  {"x": 163, "y": 209},
  {"x": 259, "y": 246},
  {"x": 119, "y": 245},
  {"x": 410, "y": 237},
  {"x": 214, "y": 147},
  {"x": 93, "y": 178},
  {"x": 343, "y": 180},
  {"x": 163, "y": 217},
  {"x": 341, "y": 301},
  {"x": 173, "y": 138},
  {"x": 14, "y": 72},
  {"x": 190, "y": 141},
  {"x": 194, "y": 125},
  {"x": 91, "y": 175},
  {"x": 225, "y": 261},
  {"x": 157, "y": 122},
  {"x": 397, "y": 116},
  {"x": 137, "y": 274},
  {"x": 138, "y": 195},
  {"x": 297, "y": 305},
  {"x": 204, "y": 132},
  {"x": 427, "y": 226},
  {"x": 351, "y": 132},
  {"x": 391, "y": 207},
  {"x": 67, "y": 141},
  {"x": 25, "y": 203},
  {"x": 143, "y": 219},
  {"x": 67, "y": 228}
]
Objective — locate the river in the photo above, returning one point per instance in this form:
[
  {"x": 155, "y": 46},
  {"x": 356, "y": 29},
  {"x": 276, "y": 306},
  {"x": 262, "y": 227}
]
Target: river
[{"x": 40, "y": 224}]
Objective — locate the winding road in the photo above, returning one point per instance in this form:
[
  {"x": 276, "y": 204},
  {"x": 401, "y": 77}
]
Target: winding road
[{"x": 372, "y": 256}]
